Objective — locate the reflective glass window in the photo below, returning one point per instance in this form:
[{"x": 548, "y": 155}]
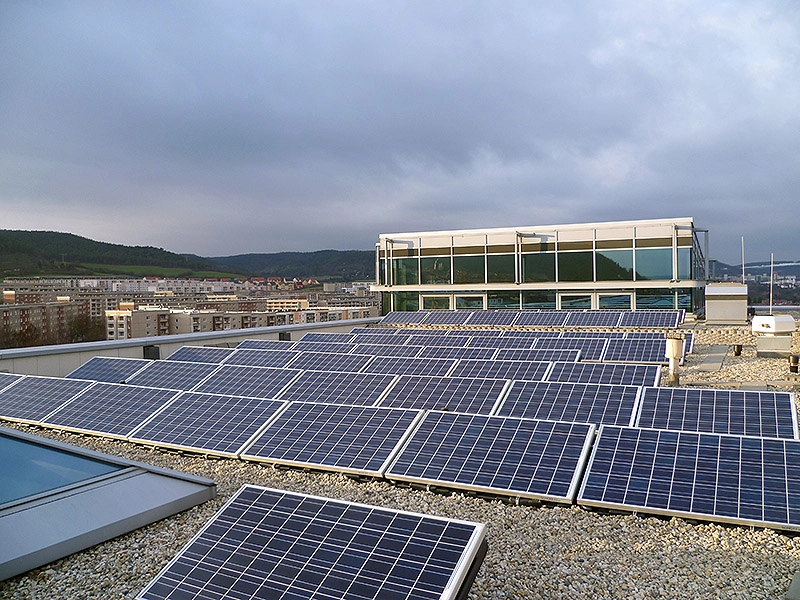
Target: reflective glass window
[
  {"x": 469, "y": 302},
  {"x": 576, "y": 301},
  {"x": 382, "y": 271},
  {"x": 500, "y": 268},
  {"x": 654, "y": 263},
  {"x": 575, "y": 266},
  {"x": 469, "y": 269},
  {"x": 538, "y": 299},
  {"x": 435, "y": 269},
  {"x": 685, "y": 299},
  {"x": 386, "y": 303},
  {"x": 408, "y": 301},
  {"x": 539, "y": 267},
  {"x": 405, "y": 271},
  {"x": 614, "y": 265},
  {"x": 662, "y": 299},
  {"x": 615, "y": 301},
  {"x": 503, "y": 300},
  {"x": 436, "y": 302},
  {"x": 685, "y": 270}
]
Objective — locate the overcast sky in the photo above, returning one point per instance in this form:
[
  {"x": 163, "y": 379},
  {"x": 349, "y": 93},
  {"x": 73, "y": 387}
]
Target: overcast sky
[{"x": 222, "y": 128}]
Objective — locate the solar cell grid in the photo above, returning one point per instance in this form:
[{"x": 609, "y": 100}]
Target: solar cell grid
[
  {"x": 498, "y": 318},
  {"x": 573, "y": 402},
  {"x": 756, "y": 413},
  {"x": 352, "y": 439},
  {"x": 454, "y": 394},
  {"x": 374, "y": 338},
  {"x": 501, "y": 369},
  {"x": 538, "y": 354},
  {"x": 531, "y": 334},
  {"x": 400, "y": 318},
  {"x": 612, "y": 373},
  {"x": 201, "y": 354},
  {"x": 339, "y": 338},
  {"x": 270, "y": 543},
  {"x": 110, "y": 409},
  {"x": 591, "y": 348},
  {"x": 172, "y": 374},
  {"x": 725, "y": 478},
  {"x": 374, "y": 331},
  {"x": 362, "y": 389},
  {"x": 651, "y": 318},
  {"x": 593, "y": 318},
  {"x": 517, "y": 457},
  {"x": 32, "y": 398},
  {"x": 253, "y": 382},
  {"x": 439, "y": 339},
  {"x": 411, "y": 366},
  {"x": 636, "y": 351},
  {"x": 6, "y": 379},
  {"x": 449, "y": 352},
  {"x": 208, "y": 423},
  {"x": 501, "y": 342},
  {"x": 265, "y": 345},
  {"x": 331, "y": 347},
  {"x": 386, "y": 350},
  {"x": 541, "y": 319},
  {"x": 325, "y": 361},
  {"x": 108, "y": 369},
  {"x": 447, "y": 317},
  {"x": 261, "y": 358}
]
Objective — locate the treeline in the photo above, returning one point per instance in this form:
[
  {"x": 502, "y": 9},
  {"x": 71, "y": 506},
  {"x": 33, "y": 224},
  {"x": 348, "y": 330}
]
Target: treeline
[
  {"x": 78, "y": 329},
  {"x": 331, "y": 265}
]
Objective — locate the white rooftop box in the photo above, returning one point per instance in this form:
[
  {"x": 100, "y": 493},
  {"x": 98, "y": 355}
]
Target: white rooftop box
[{"x": 773, "y": 324}]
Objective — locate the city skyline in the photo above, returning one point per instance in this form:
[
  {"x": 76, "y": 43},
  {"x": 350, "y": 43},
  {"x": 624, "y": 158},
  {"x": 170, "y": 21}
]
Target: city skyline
[{"x": 224, "y": 129}]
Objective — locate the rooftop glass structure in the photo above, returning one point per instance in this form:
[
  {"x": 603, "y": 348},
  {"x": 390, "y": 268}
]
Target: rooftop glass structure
[{"x": 631, "y": 265}]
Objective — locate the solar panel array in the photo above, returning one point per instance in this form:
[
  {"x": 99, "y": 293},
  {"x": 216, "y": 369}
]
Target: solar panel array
[{"x": 267, "y": 543}]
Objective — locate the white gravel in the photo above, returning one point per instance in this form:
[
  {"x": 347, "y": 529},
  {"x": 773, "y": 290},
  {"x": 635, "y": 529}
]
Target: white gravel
[{"x": 542, "y": 552}]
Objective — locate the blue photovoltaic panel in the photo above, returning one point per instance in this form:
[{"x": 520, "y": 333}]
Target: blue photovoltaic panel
[
  {"x": 454, "y": 394},
  {"x": 501, "y": 369},
  {"x": 374, "y": 330},
  {"x": 449, "y": 352},
  {"x": 352, "y": 439},
  {"x": 591, "y": 348},
  {"x": 612, "y": 373},
  {"x": 110, "y": 409},
  {"x": 501, "y": 342},
  {"x": 411, "y": 366},
  {"x": 208, "y": 423},
  {"x": 575, "y": 402},
  {"x": 361, "y": 389},
  {"x": 439, "y": 339},
  {"x": 447, "y": 317},
  {"x": 253, "y": 382},
  {"x": 516, "y": 457},
  {"x": 762, "y": 414},
  {"x": 651, "y": 318},
  {"x": 324, "y": 361},
  {"x": 266, "y": 345},
  {"x": 332, "y": 347},
  {"x": 374, "y": 338},
  {"x": 551, "y": 318},
  {"x": 593, "y": 318},
  {"x": 33, "y": 398},
  {"x": 636, "y": 351},
  {"x": 537, "y": 354},
  {"x": 261, "y": 358},
  {"x": 109, "y": 369},
  {"x": 531, "y": 334},
  {"x": 172, "y": 374},
  {"x": 339, "y": 338},
  {"x": 568, "y": 335},
  {"x": 201, "y": 354},
  {"x": 386, "y": 350},
  {"x": 6, "y": 379},
  {"x": 400, "y": 318},
  {"x": 477, "y": 332},
  {"x": 498, "y": 318},
  {"x": 725, "y": 478},
  {"x": 266, "y": 544}
]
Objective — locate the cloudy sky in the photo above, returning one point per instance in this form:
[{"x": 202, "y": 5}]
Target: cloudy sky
[{"x": 229, "y": 127}]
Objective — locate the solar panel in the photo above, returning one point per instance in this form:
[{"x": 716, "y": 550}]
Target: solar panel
[
  {"x": 324, "y": 361},
  {"x": 373, "y": 338},
  {"x": 501, "y": 369},
  {"x": 172, "y": 374},
  {"x": 266, "y": 345},
  {"x": 411, "y": 366},
  {"x": 651, "y": 318},
  {"x": 447, "y": 317},
  {"x": 201, "y": 354},
  {"x": 591, "y": 348},
  {"x": 340, "y": 338},
  {"x": 537, "y": 354},
  {"x": 455, "y": 394},
  {"x": 449, "y": 352},
  {"x": 386, "y": 350},
  {"x": 6, "y": 379},
  {"x": 551, "y": 318},
  {"x": 400, "y": 318},
  {"x": 33, "y": 398},
  {"x": 261, "y": 358},
  {"x": 331, "y": 347},
  {"x": 517, "y": 457},
  {"x": 724, "y": 478},
  {"x": 374, "y": 331},
  {"x": 253, "y": 382},
  {"x": 268, "y": 543},
  {"x": 439, "y": 339},
  {"x": 207, "y": 423},
  {"x": 110, "y": 409},
  {"x": 349, "y": 439},
  {"x": 574, "y": 402},
  {"x": 763, "y": 414},
  {"x": 362, "y": 389},
  {"x": 612, "y": 373},
  {"x": 498, "y": 318},
  {"x": 636, "y": 351},
  {"x": 593, "y": 318},
  {"x": 108, "y": 369},
  {"x": 531, "y": 334},
  {"x": 501, "y": 342}
]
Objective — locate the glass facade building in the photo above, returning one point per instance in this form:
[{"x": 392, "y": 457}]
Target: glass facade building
[{"x": 633, "y": 265}]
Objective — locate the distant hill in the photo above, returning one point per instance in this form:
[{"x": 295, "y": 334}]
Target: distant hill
[
  {"x": 782, "y": 268},
  {"x": 325, "y": 265}
]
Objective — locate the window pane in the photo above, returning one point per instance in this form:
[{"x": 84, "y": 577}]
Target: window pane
[
  {"x": 436, "y": 302},
  {"x": 618, "y": 302},
  {"x": 685, "y": 299},
  {"x": 685, "y": 264},
  {"x": 539, "y": 299},
  {"x": 614, "y": 265},
  {"x": 503, "y": 300},
  {"x": 382, "y": 271},
  {"x": 500, "y": 268},
  {"x": 575, "y": 266},
  {"x": 405, "y": 271},
  {"x": 539, "y": 267},
  {"x": 654, "y": 263},
  {"x": 386, "y": 303},
  {"x": 406, "y": 301},
  {"x": 435, "y": 269},
  {"x": 473, "y": 302},
  {"x": 582, "y": 301},
  {"x": 655, "y": 299},
  {"x": 468, "y": 269}
]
